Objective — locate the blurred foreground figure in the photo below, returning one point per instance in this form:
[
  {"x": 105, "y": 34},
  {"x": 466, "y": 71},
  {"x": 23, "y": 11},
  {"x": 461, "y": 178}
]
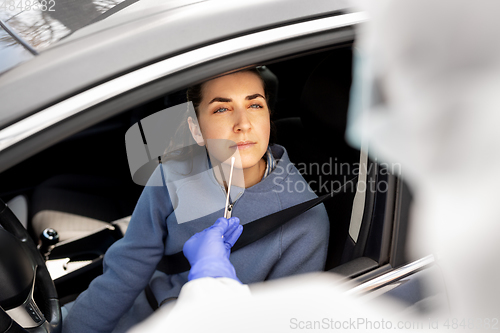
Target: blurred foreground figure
[
  {"x": 432, "y": 69},
  {"x": 427, "y": 96}
]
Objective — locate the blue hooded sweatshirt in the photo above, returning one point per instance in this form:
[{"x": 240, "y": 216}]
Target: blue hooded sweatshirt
[{"x": 299, "y": 246}]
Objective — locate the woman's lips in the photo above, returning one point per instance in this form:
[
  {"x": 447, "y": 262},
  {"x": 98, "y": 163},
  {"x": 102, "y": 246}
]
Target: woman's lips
[{"x": 244, "y": 145}]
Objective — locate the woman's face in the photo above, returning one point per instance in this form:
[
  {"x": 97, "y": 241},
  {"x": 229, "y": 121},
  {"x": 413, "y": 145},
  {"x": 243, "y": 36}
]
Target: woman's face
[{"x": 234, "y": 109}]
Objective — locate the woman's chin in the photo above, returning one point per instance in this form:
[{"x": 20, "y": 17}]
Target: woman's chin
[
  {"x": 246, "y": 164},
  {"x": 243, "y": 160}
]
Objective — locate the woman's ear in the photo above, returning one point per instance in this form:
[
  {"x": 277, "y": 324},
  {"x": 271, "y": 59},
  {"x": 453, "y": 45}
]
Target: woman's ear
[{"x": 195, "y": 132}]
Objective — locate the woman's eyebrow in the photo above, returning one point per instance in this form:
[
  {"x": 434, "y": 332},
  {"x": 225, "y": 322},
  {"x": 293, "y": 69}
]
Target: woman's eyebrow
[
  {"x": 220, "y": 99},
  {"x": 227, "y": 100},
  {"x": 254, "y": 96}
]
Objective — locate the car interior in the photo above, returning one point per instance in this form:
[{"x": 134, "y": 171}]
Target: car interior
[{"x": 82, "y": 187}]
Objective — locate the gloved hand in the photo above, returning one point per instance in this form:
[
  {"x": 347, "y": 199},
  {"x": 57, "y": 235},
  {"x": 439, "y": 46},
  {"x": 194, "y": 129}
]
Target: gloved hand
[{"x": 208, "y": 251}]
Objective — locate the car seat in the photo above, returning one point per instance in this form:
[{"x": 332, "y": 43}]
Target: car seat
[
  {"x": 77, "y": 205},
  {"x": 315, "y": 142}
]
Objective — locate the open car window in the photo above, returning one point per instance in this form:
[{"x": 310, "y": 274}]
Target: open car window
[
  {"x": 314, "y": 141},
  {"x": 112, "y": 148}
]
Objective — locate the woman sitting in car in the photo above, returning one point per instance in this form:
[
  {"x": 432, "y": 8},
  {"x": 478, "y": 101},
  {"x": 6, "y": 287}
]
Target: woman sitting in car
[{"x": 232, "y": 118}]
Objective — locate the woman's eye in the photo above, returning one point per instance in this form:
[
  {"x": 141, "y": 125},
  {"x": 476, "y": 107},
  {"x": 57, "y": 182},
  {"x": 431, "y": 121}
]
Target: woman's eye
[
  {"x": 256, "y": 106},
  {"x": 220, "y": 110}
]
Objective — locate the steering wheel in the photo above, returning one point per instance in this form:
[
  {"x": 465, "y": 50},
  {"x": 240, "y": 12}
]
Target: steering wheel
[{"x": 23, "y": 276}]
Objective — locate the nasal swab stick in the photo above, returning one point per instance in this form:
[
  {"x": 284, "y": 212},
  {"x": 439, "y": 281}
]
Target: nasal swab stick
[{"x": 229, "y": 186}]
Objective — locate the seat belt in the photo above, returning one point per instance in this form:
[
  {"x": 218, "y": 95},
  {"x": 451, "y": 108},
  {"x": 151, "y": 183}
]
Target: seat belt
[{"x": 253, "y": 231}]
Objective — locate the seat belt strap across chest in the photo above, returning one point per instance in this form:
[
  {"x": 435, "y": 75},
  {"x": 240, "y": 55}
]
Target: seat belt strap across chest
[{"x": 253, "y": 231}]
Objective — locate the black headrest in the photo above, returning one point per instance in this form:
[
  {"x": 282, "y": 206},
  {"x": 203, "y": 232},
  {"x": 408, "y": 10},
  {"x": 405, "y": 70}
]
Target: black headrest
[
  {"x": 325, "y": 97},
  {"x": 271, "y": 82}
]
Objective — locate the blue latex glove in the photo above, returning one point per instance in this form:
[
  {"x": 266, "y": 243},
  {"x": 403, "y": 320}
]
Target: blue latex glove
[{"x": 208, "y": 251}]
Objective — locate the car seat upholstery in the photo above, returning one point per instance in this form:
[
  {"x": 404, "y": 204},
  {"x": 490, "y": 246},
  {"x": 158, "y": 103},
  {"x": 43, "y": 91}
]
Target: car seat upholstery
[{"x": 76, "y": 205}]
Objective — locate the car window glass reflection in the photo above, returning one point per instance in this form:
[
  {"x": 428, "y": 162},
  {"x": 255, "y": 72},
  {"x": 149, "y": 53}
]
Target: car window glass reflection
[{"x": 161, "y": 151}]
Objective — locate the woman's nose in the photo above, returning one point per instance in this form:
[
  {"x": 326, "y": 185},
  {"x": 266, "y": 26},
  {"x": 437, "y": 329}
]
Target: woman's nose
[{"x": 241, "y": 122}]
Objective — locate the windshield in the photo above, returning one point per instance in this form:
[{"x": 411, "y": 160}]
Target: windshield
[
  {"x": 41, "y": 23},
  {"x": 12, "y": 52}
]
